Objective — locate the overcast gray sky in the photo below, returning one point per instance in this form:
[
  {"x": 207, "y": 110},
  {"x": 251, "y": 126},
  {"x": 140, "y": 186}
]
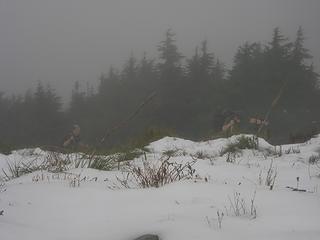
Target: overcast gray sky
[{"x": 61, "y": 41}]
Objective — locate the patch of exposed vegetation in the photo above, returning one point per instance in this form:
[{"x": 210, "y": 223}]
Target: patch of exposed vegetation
[
  {"x": 241, "y": 143},
  {"x": 157, "y": 174}
]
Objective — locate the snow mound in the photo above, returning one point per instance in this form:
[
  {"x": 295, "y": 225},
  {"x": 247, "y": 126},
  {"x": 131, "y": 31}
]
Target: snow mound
[{"x": 46, "y": 205}]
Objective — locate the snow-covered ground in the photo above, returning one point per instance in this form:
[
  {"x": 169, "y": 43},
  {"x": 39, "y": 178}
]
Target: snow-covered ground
[{"x": 43, "y": 205}]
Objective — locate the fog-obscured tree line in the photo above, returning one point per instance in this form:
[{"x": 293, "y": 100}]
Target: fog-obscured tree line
[{"x": 194, "y": 96}]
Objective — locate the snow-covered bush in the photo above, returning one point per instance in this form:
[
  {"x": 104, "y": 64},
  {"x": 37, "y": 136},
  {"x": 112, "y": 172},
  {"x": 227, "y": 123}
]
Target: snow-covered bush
[
  {"x": 314, "y": 159},
  {"x": 171, "y": 153},
  {"x": 35, "y": 160},
  {"x": 293, "y": 150},
  {"x": 242, "y": 142},
  {"x": 239, "y": 206},
  {"x": 271, "y": 176},
  {"x": 16, "y": 169},
  {"x": 159, "y": 173},
  {"x": 104, "y": 163},
  {"x": 109, "y": 162},
  {"x": 201, "y": 155}
]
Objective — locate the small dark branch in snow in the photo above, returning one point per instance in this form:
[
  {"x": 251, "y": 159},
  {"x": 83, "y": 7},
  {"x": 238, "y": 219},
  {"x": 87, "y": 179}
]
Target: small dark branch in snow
[
  {"x": 253, "y": 210},
  {"x": 208, "y": 221},
  {"x": 298, "y": 179},
  {"x": 83, "y": 179},
  {"x": 75, "y": 182},
  {"x": 7, "y": 178},
  {"x": 297, "y": 189},
  {"x": 271, "y": 176},
  {"x": 239, "y": 207},
  {"x": 125, "y": 180},
  {"x": 94, "y": 179},
  {"x": 220, "y": 218},
  {"x": 148, "y": 237}
]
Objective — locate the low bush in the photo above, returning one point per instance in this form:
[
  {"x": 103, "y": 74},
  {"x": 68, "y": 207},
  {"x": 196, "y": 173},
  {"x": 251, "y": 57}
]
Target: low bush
[
  {"x": 51, "y": 161},
  {"x": 17, "y": 169},
  {"x": 314, "y": 159},
  {"x": 157, "y": 175},
  {"x": 314, "y": 162},
  {"x": 102, "y": 163},
  {"x": 239, "y": 206},
  {"x": 201, "y": 155},
  {"x": 242, "y": 142},
  {"x": 171, "y": 153},
  {"x": 271, "y": 176}
]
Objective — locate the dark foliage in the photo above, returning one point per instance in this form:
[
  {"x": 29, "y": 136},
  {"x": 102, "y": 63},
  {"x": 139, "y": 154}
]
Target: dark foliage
[{"x": 194, "y": 97}]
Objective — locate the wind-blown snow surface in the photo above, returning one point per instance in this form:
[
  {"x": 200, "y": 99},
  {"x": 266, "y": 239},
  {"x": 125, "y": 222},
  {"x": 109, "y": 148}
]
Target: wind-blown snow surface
[{"x": 186, "y": 210}]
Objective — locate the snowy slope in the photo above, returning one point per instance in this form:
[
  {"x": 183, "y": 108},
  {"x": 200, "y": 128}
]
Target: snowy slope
[{"x": 100, "y": 208}]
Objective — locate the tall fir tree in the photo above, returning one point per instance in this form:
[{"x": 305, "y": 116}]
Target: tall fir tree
[{"x": 170, "y": 65}]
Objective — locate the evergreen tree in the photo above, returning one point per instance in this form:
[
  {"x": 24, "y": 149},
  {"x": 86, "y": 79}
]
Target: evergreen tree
[
  {"x": 147, "y": 76},
  {"x": 47, "y": 107},
  {"x": 279, "y": 48},
  {"x": 206, "y": 62},
  {"x": 277, "y": 60},
  {"x": 299, "y": 53},
  {"x": 219, "y": 72},
  {"x": 78, "y": 102},
  {"x": 129, "y": 72},
  {"x": 170, "y": 66},
  {"x": 194, "y": 66},
  {"x": 246, "y": 77}
]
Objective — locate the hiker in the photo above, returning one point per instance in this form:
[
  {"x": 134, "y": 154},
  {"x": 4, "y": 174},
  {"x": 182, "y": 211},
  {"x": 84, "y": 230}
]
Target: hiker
[
  {"x": 260, "y": 127},
  {"x": 73, "y": 139},
  {"x": 231, "y": 125}
]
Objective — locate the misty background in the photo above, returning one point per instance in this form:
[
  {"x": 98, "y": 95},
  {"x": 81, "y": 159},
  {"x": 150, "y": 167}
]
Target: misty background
[
  {"x": 63, "y": 41},
  {"x": 132, "y": 72}
]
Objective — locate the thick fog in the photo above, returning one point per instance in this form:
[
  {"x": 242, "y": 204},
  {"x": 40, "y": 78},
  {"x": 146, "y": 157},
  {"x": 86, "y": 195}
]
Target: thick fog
[{"x": 63, "y": 41}]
